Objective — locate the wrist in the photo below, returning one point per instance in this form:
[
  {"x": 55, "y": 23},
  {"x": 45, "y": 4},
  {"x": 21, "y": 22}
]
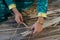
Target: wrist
[
  {"x": 40, "y": 20},
  {"x": 16, "y": 12}
]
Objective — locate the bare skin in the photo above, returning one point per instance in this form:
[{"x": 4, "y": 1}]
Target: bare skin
[
  {"x": 18, "y": 16},
  {"x": 37, "y": 26}
]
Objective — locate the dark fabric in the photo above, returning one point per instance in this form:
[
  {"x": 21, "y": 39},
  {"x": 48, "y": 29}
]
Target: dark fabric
[
  {"x": 42, "y": 6},
  {"x": 23, "y": 4},
  {"x": 4, "y": 10},
  {"x": 9, "y": 2}
]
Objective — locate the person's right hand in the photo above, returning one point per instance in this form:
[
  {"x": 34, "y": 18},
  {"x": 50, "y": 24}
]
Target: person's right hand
[{"x": 19, "y": 18}]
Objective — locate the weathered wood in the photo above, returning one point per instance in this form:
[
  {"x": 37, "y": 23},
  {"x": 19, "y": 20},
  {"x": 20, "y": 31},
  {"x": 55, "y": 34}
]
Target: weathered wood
[
  {"x": 46, "y": 24},
  {"x": 49, "y": 33},
  {"x": 51, "y": 22},
  {"x": 12, "y": 29},
  {"x": 54, "y": 37},
  {"x": 53, "y": 11}
]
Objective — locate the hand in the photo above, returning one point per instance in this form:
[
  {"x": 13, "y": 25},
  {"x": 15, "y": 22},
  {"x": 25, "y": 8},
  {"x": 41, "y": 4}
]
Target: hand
[
  {"x": 37, "y": 28},
  {"x": 19, "y": 18}
]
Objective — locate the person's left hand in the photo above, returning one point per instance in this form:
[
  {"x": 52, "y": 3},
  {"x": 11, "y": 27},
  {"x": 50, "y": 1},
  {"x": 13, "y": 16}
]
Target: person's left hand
[{"x": 37, "y": 28}]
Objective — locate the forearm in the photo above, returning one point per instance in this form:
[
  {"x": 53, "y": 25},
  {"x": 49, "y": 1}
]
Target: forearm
[{"x": 15, "y": 11}]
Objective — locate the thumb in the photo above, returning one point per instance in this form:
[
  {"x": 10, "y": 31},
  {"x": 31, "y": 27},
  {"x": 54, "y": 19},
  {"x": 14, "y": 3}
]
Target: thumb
[{"x": 32, "y": 27}]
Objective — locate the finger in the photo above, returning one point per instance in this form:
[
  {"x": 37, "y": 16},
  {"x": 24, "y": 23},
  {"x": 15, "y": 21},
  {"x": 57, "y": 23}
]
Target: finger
[
  {"x": 32, "y": 27},
  {"x": 16, "y": 20},
  {"x": 35, "y": 31},
  {"x": 21, "y": 18},
  {"x": 20, "y": 21}
]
